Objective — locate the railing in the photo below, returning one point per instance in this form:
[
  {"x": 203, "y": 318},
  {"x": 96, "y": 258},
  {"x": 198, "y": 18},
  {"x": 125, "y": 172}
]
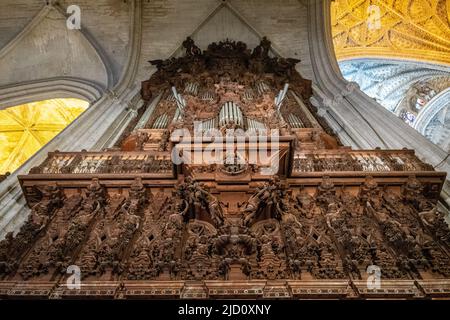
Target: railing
[
  {"x": 348, "y": 160},
  {"x": 103, "y": 163},
  {"x": 117, "y": 162}
]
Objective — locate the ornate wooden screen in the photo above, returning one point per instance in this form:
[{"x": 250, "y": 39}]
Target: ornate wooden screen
[{"x": 306, "y": 224}]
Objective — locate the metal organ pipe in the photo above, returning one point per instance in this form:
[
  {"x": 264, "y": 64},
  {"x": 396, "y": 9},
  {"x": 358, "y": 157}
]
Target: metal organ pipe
[
  {"x": 281, "y": 95},
  {"x": 181, "y": 103},
  {"x": 295, "y": 121},
  {"x": 277, "y": 98},
  {"x": 227, "y": 113},
  {"x": 239, "y": 115},
  {"x": 230, "y": 112},
  {"x": 161, "y": 122},
  {"x": 233, "y": 112},
  {"x": 155, "y": 124},
  {"x": 191, "y": 88}
]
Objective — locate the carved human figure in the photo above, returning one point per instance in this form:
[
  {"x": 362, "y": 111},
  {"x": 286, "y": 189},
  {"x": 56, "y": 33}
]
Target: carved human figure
[
  {"x": 191, "y": 48},
  {"x": 333, "y": 215},
  {"x": 270, "y": 195},
  {"x": 434, "y": 219},
  {"x": 412, "y": 190},
  {"x": 195, "y": 198},
  {"x": 326, "y": 191},
  {"x": 429, "y": 217},
  {"x": 266, "y": 245}
]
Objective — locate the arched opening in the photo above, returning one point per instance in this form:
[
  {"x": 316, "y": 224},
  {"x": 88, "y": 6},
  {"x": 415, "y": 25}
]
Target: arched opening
[
  {"x": 26, "y": 128},
  {"x": 398, "y": 52}
]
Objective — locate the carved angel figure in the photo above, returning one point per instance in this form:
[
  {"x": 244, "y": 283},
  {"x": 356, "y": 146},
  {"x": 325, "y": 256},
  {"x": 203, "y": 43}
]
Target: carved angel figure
[{"x": 270, "y": 196}]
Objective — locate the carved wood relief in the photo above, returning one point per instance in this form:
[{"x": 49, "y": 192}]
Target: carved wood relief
[{"x": 139, "y": 225}]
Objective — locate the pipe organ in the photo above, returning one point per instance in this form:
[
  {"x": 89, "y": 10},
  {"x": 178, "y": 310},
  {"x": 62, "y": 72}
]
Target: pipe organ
[{"x": 283, "y": 211}]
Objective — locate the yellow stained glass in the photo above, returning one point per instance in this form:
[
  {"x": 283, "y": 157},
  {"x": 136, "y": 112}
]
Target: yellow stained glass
[
  {"x": 26, "y": 128},
  {"x": 402, "y": 29}
]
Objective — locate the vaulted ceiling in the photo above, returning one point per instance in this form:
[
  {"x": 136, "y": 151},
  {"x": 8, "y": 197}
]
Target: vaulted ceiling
[
  {"x": 406, "y": 29},
  {"x": 99, "y": 52}
]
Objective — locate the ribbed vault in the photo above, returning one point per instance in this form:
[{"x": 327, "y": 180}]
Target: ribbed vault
[{"x": 27, "y": 128}]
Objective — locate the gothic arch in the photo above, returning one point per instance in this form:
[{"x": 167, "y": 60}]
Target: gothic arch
[
  {"x": 396, "y": 51},
  {"x": 433, "y": 120},
  {"x": 49, "y": 89}
]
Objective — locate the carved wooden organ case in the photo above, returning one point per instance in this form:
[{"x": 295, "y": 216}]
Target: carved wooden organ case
[{"x": 139, "y": 225}]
